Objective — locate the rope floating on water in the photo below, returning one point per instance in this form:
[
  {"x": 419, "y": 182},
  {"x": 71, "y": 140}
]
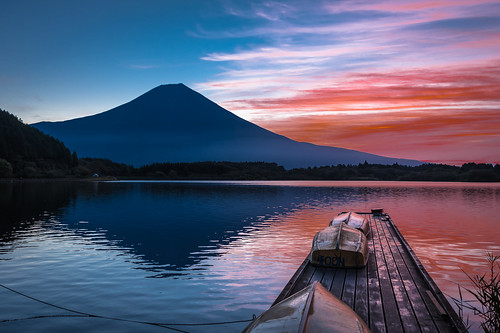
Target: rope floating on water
[{"x": 89, "y": 315}]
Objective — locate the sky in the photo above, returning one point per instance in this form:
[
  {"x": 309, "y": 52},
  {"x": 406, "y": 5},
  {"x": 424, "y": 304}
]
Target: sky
[{"x": 406, "y": 79}]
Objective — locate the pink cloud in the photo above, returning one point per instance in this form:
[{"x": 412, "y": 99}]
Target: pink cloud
[
  {"x": 437, "y": 115},
  {"x": 470, "y": 135},
  {"x": 421, "y": 79},
  {"x": 447, "y": 87}
]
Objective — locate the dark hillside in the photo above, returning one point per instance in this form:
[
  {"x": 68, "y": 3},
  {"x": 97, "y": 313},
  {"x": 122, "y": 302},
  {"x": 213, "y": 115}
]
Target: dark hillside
[{"x": 28, "y": 152}]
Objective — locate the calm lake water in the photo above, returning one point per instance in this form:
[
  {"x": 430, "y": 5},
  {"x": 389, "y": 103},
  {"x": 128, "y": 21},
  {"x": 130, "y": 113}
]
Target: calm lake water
[{"x": 203, "y": 252}]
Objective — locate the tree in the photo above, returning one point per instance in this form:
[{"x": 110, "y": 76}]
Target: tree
[
  {"x": 5, "y": 169},
  {"x": 74, "y": 159}
]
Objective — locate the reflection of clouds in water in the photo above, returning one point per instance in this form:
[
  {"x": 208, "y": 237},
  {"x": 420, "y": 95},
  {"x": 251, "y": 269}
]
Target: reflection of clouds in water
[
  {"x": 261, "y": 258},
  {"x": 448, "y": 264},
  {"x": 439, "y": 221},
  {"x": 228, "y": 249}
]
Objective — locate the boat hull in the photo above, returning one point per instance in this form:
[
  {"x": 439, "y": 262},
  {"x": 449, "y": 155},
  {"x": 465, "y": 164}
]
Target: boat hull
[
  {"x": 311, "y": 310},
  {"x": 338, "y": 258},
  {"x": 354, "y": 220},
  {"x": 339, "y": 246}
]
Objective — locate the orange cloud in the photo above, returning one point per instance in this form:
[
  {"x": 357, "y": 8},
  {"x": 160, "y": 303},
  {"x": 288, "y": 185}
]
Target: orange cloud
[
  {"x": 444, "y": 137},
  {"x": 440, "y": 115}
]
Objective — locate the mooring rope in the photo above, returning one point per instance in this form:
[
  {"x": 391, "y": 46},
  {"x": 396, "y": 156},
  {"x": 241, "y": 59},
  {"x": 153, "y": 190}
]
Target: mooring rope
[{"x": 89, "y": 315}]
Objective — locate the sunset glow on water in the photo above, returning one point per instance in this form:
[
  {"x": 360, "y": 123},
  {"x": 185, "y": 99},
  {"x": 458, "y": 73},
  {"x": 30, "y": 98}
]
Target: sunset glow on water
[
  {"x": 161, "y": 89},
  {"x": 198, "y": 252}
]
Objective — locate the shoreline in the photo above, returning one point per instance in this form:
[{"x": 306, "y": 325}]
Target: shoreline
[{"x": 149, "y": 179}]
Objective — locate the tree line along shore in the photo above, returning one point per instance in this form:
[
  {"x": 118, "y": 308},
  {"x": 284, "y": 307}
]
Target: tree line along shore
[
  {"x": 85, "y": 168},
  {"x": 26, "y": 152}
]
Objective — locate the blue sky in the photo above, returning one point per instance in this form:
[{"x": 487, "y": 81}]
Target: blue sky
[
  {"x": 415, "y": 79},
  {"x": 62, "y": 59}
]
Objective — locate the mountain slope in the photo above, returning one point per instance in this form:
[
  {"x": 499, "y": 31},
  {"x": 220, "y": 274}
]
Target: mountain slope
[
  {"x": 28, "y": 150},
  {"x": 172, "y": 123}
]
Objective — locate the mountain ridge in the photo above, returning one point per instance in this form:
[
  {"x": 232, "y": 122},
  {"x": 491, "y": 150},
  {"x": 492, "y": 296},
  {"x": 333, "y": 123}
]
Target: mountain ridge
[{"x": 173, "y": 123}]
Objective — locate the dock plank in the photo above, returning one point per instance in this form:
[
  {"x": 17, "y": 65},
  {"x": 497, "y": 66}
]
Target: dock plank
[
  {"x": 376, "y": 310},
  {"x": 318, "y": 274},
  {"x": 417, "y": 304},
  {"x": 304, "y": 280},
  {"x": 361, "y": 296},
  {"x": 405, "y": 308},
  {"x": 338, "y": 283},
  {"x": 328, "y": 277},
  {"x": 392, "y": 293},
  {"x": 425, "y": 283},
  {"x": 349, "y": 292},
  {"x": 391, "y": 310}
]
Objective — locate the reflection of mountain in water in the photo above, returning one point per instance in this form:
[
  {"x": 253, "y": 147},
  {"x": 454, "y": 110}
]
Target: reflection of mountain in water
[{"x": 165, "y": 224}]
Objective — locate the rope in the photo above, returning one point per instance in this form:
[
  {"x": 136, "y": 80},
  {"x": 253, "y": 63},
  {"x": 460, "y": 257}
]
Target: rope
[
  {"x": 89, "y": 315},
  {"x": 40, "y": 317},
  {"x": 212, "y": 324},
  {"x": 43, "y": 302}
]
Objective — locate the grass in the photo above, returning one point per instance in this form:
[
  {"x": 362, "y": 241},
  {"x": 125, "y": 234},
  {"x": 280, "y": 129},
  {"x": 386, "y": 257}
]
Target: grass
[{"x": 486, "y": 291}]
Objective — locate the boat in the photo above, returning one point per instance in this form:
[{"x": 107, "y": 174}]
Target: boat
[
  {"x": 354, "y": 220},
  {"x": 313, "y": 310},
  {"x": 339, "y": 245}
]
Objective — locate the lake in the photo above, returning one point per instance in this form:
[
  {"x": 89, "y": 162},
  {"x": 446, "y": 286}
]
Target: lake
[{"x": 207, "y": 252}]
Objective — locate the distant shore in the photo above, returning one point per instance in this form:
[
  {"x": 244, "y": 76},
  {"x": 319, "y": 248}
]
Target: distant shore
[{"x": 93, "y": 169}]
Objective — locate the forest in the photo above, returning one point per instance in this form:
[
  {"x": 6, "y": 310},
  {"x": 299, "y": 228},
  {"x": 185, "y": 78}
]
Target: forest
[
  {"x": 469, "y": 172},
  {"x": 25, "y": 152}
]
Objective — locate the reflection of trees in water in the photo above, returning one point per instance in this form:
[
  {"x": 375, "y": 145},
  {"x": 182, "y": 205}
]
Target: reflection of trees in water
[
  {"x": 162, "y": 223},
  {"x": 23, "y": 202},
  {"x": 166, "y": 224}
]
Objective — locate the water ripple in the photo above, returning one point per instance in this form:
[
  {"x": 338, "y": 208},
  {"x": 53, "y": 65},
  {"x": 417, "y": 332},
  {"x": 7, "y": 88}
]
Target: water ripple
[{"x": 223, "y": 251}]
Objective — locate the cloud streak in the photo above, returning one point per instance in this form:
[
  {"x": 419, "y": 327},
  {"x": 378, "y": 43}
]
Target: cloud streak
[
  {"x": 453, "y": 86},
  {"x": 425, "y": 135},
  {"x": 143, "y": 66},
  {"x": 425, "y": 69}
]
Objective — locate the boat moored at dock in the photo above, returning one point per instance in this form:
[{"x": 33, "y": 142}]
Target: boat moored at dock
[
  {"x": 313, "y": 310},
  {"x": 339, "y": 245},
  {"x": 354, "y": 220}
]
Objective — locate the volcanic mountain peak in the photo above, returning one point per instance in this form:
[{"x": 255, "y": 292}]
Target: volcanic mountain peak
[{"x": 173, "y": 123}]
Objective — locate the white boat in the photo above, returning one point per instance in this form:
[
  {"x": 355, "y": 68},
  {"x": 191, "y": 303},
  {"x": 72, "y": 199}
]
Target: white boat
[
  {"x": 313, "y": 310},
  {"x": 339, "y": 245},
  {"x": 354, "y": 220}
]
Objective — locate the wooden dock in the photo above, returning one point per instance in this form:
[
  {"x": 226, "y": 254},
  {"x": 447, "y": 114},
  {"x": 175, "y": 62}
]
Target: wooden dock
[{"x": 392, "y": 293}]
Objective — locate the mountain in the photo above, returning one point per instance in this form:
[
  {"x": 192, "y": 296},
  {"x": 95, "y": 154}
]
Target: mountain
[
  {"x": 172, "y": 123},
  {"x": 27, "y": 152}
]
